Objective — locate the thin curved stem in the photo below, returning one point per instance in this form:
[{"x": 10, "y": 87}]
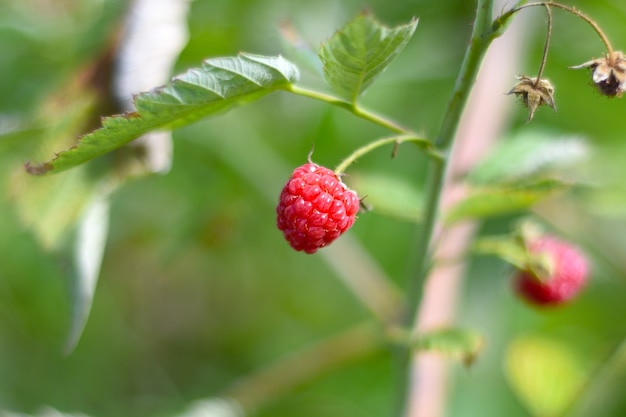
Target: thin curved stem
[
  {"x": 605, "y": 40},
  {"x": 363, "y": 150},
  {"x": 546, "y": 47}
]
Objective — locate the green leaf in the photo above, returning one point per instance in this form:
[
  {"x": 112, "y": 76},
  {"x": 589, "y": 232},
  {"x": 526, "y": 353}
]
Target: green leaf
[
  {"x": 484, "y": 202},
  {"x": 89, "y": 244},
  {"x": 529, "y": 154},
  {"x": 50, "y": 207},
  {"x": 387, "y": 195},
  {"x": 545, "y": 375},
  {"x": 220, "y": 84},
  {"x": 513, "y": 248},
  {"x": 508, "y": 247},
  {"x": 463, "y": 344},
  {"x": 67, "y": 214},
  {"x": 356, "y": 55}
]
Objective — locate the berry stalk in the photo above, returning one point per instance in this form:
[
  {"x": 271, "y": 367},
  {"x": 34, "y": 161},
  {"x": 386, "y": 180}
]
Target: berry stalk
[{"x": 396, "y": 140}]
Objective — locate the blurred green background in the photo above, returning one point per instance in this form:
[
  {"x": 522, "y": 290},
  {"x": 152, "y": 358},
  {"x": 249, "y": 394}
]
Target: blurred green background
[{"x": 198, "y": 289}]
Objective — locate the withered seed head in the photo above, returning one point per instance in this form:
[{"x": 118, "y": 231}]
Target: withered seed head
[
  {"x": 609, "y": 73},
  {"x": 534, "y": 93}
]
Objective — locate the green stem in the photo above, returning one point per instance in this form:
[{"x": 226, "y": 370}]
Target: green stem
[
  {"x": 481, "y": 37},
  {"x": 424, "y": 143},
  {"x": 379, "y": 120},
  {"x": 501, "y": 22},
  {"x": 469, "y": 69},
  {"x": 352, "y": 108}
]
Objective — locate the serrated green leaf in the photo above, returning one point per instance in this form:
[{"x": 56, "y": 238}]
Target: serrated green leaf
[
  {"x": 528, "y": 154},
  {"x": 357, "y": 54},
  {"x": 545, "y": 375},
  {"x": 220, "y": 84},
  {"x": 387, "y": 195},
  {"x": 484, "y": 202},
  {"x": 463, "y": 344}
]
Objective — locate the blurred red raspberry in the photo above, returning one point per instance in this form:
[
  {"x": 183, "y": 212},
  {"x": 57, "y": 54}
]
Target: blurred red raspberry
[{"x": 568, "y": 272}]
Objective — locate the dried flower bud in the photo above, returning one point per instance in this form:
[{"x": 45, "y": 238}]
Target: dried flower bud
[
  {"x": 609, "y": 73},
  {"x": 534, "y": 93}
]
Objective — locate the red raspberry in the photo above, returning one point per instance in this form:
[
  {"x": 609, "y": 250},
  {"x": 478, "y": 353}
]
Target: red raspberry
[
  {"x": 568, "y": 273},
  {"x": 315, "y": 208}
]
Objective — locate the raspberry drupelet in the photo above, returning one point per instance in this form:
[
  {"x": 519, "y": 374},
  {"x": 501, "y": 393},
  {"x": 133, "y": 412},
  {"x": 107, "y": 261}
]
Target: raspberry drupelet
[{"x": 315, "y": 208}]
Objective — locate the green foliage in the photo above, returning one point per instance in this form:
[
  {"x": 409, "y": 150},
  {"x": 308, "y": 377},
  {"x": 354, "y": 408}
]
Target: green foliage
[
  {"x": 530, "y": 153},
  {"x": 513, "y": 248},
  {"x": 462, "y": 344},
  {"x": 520, "y": 172},
  {"x": 357, "y": 54},
  {"x": 199, "y": 292},
  {"x": 298, "y": 50},
  {"x": 545, "y": 374},
  {"x": 505, "y": 247},
  {"x": 88, "y": 249},
  {"x": 485, "y": 202},
  {"x": 220, "y": 84},
  {"x": 68, "y": 214}
]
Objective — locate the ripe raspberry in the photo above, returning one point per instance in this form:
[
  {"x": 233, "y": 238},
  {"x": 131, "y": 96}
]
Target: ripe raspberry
[
  {"x": 315, "y": 208},
  {"x": 568, "y": 273}
]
